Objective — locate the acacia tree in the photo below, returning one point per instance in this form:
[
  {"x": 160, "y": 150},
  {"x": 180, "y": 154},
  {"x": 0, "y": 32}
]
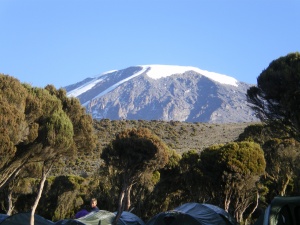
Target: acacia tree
[
  {"x": 276, "y": 98},
  {"x": 232, "y": 172},
  {"x": 133, "y": 153}
]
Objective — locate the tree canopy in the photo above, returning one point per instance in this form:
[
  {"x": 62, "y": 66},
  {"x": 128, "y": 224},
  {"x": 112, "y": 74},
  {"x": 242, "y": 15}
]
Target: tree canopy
[
  {"x": 39, "y": 126},
  {"x": 276, "y": 98},
  {"x": 133, "y": 153},
  {"x": 232, "y": 172}
]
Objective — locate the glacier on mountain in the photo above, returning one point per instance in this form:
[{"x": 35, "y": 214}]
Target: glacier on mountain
[
  {"x": 159, "y": 71},
  {"x": 154, "y": 72},
  {"x": 164, "y": 92}
]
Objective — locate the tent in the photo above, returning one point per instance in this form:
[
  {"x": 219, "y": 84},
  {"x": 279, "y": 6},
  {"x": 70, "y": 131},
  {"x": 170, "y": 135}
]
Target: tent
[
  {"x": 103, "y": 217},
  {"x": 24, "y": 219},
  {"x": 128, "y": 218},
  {"x": 193, "y": 214},
  {"x": 282, "y": 210},
  {"x": 3, "y": 217}
]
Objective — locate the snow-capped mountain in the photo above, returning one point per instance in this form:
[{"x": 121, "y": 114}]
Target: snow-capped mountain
[{"x": 164, "y": 92}]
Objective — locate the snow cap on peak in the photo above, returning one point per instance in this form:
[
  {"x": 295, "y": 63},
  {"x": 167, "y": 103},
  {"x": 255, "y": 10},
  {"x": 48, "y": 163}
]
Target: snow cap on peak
[{"x": 159, "y": 71}]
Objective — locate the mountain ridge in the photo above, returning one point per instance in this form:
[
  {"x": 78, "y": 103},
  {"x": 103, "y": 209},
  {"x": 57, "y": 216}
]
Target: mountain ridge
[{"x": 164, "y": 92}]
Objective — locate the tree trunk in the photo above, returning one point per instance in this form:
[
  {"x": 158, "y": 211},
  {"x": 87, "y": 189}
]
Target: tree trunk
[
  {"x": 10, "y": 173},
  {"x": 254, "y": 208},
  {"x": 227, "y": 200},
  {"x": 42, "y": 183},
  {"x": 284, "y": 186},
  {"x": 10, "y": 204},
  {"x": 127, "y": 203},
  {"x": 120, "y": 203},
  {"x": 11, "y": 185}
]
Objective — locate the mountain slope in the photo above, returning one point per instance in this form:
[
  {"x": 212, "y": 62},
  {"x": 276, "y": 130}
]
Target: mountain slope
[{"x": 163, "y": 92}]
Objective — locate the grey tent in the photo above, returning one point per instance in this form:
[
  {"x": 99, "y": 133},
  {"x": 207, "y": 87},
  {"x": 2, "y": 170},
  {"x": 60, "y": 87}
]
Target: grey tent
[
  {"x": 24, "y": 219},
  {"x": 128, "y": 218},
  {"x": 282, "y": 210},
  {"x": 193, "y": 214}
]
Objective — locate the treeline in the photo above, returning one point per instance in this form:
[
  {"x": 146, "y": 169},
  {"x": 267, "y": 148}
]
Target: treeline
[{"x": 54, "y": 157}]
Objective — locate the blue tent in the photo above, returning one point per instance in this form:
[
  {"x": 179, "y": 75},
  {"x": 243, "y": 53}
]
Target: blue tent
[
  {"x": 3, "y": 217},
  {"x": 193, "y": 214},
  {"x": 128, "y": 218},
  {"x": 24, "y": 219}
]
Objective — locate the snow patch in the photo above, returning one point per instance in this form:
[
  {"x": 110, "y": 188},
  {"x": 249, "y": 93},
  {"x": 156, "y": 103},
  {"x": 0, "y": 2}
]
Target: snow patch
[
  {"x": 159, "y": 71},
  {"x": 116, "y": 85},
  {"x": 87, "y": 86}
]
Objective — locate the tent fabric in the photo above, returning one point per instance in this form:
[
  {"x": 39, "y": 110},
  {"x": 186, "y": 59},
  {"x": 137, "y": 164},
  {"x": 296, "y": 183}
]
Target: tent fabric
[
  {"x": 282, "y": 210},
  {"x": 190, "y": 214},
  {"x": 3, "y": 217},
  {"x": 81, "y": 213},
  {"x": 128, "y": 218},
  {"x": 102, "y": 217},
  {"x": 222, "y": 212},
  {"x": 24, "y": 219},
  {"x": 68, "y": 222}
]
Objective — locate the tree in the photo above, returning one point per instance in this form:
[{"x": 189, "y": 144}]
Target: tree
[
  {"x": 276, "y": 99},
  {"x": 133, "y": 153},
  {"x": 192, "y": 177},
  {"x": 14, "y": 127},
  {"x": 39, "y": 128},
  {"x": 282, "y": 158},
  {"x": 232, "y": 172}
]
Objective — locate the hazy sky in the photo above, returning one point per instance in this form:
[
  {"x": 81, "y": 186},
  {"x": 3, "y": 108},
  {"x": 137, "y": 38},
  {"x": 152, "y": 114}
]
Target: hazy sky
[{"x": 62, "y": 42}]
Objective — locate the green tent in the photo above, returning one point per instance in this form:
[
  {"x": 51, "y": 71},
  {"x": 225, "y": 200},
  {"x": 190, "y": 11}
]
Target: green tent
[
  {"x": 193, "y": 214},
  {"x": 24, "y": 219},
  {"x": 281, "y": 211},
  {"x": 103, "y": 217}
]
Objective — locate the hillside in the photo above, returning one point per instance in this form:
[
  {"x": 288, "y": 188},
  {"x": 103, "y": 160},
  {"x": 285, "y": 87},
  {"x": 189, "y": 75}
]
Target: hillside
[{"x": 179, "y": 136}]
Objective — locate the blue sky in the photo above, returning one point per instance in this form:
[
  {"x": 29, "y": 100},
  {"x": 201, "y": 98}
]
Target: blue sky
[{"x": 62, "y": 42}]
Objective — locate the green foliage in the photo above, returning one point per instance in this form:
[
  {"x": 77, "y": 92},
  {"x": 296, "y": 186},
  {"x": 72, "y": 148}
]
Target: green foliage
[
  {"x": 231, "y": 172},
  {"x": 13, "y": 126},
  {"x": 277, "y": 95},
  {"x": 59, "y": 131},
  {"x": 282, "y": 156},
  {"x": 39, "y": 127},
  {"x": 135, "y": 151},
  {"x": 244, "y": 158}
]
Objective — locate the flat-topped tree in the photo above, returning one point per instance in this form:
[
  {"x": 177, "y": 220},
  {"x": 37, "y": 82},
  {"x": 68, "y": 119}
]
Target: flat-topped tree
[
  {"x": 276, "y": 98},
  {"x": 133, "y": 153}
]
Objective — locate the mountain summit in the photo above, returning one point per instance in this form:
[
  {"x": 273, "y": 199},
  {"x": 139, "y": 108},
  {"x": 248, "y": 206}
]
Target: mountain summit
[{"x": 164, "y": 92}]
